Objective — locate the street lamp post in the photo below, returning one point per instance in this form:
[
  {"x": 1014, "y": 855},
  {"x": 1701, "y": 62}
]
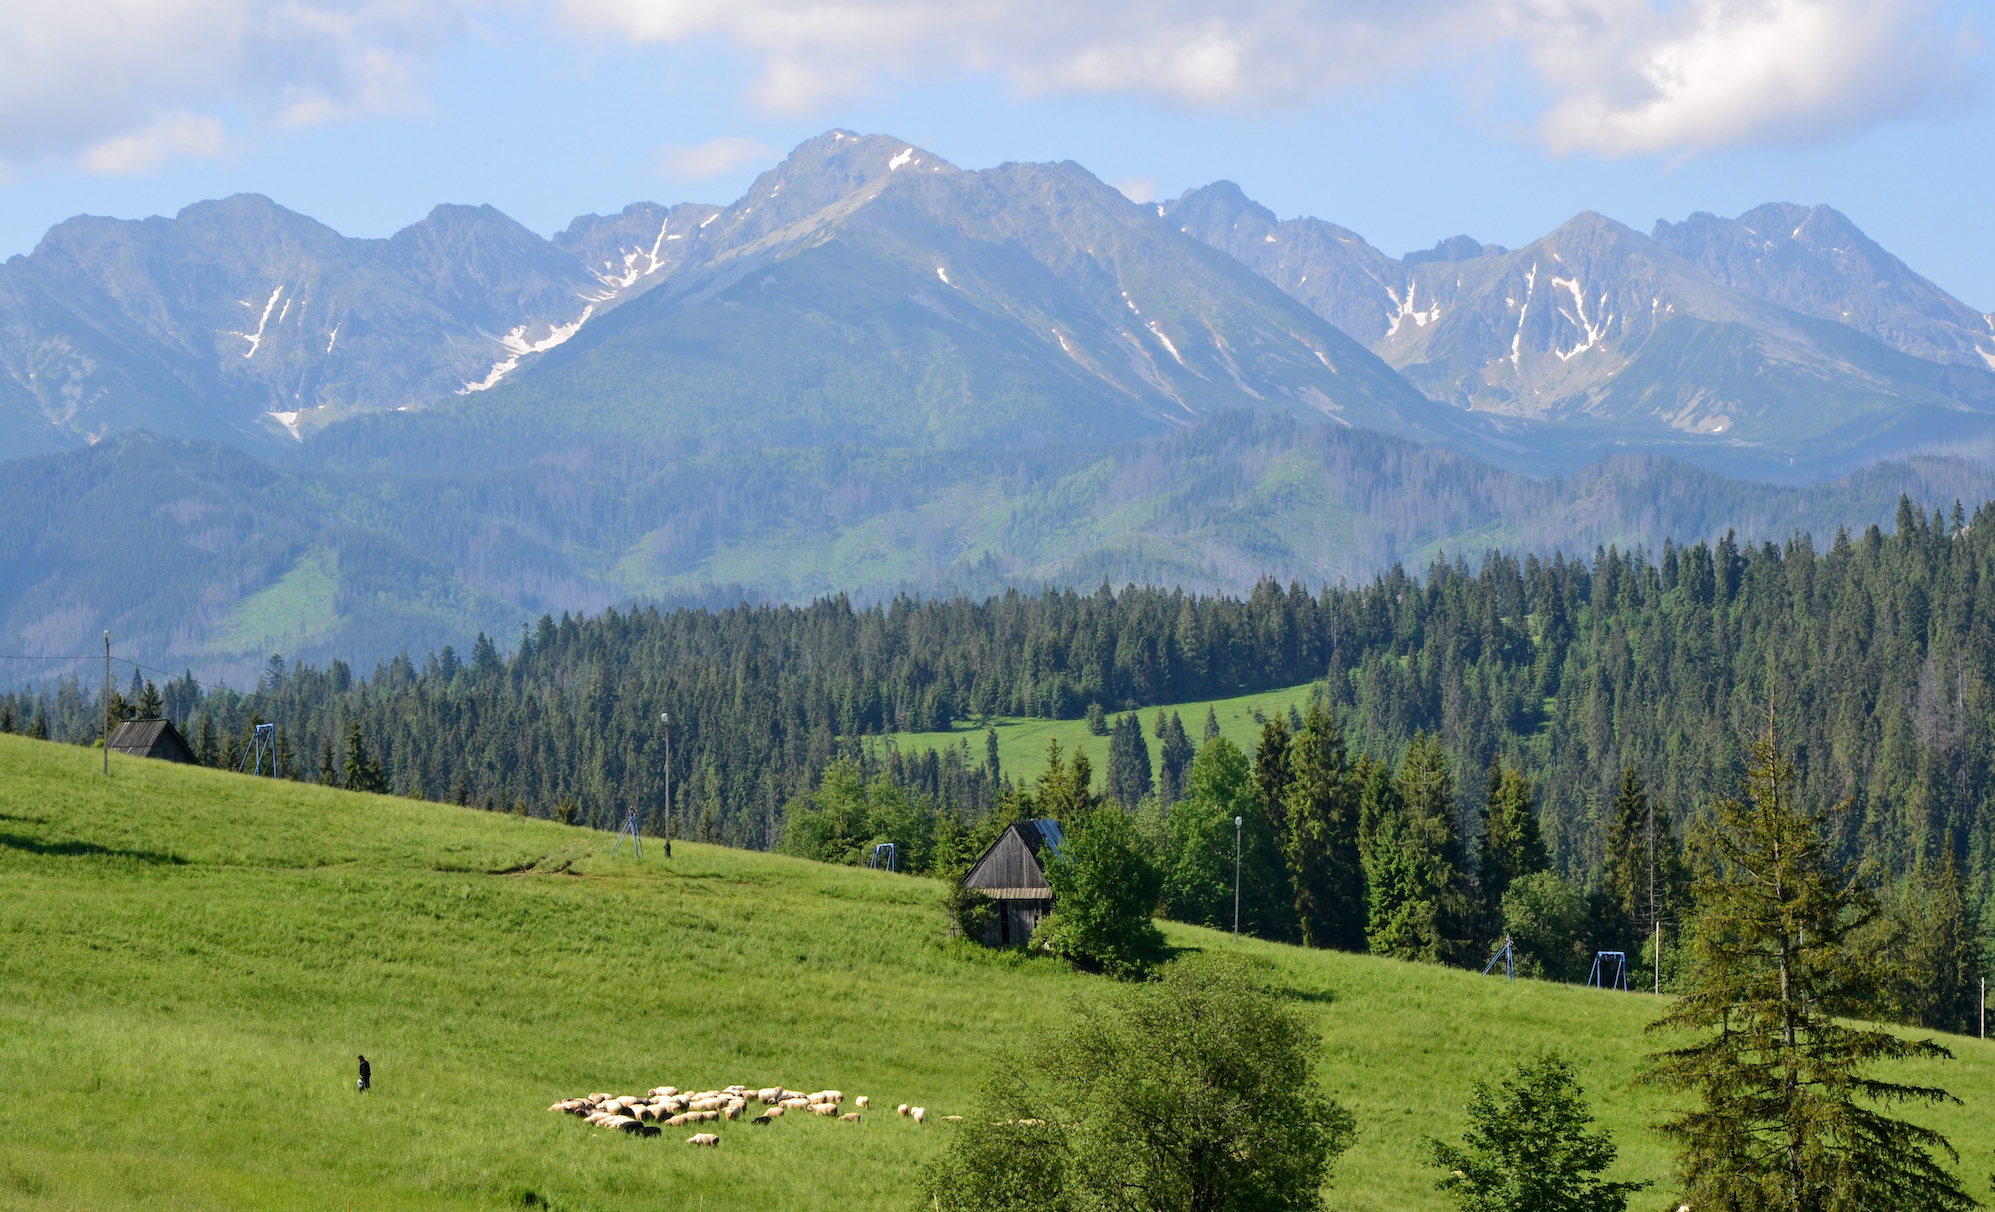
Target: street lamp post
[
  {"x": 666, "y": 719},
  {"x": 1236, "y": 879}
]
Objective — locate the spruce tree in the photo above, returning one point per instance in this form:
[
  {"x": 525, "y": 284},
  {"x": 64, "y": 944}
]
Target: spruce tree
[
  {"x": 1271, "y": 772},
  {"x": 1643, "y": 880},
  {"x": 1511, "y": 844},
  {"x": 7, "y": 723},
  {"x": 991, "y": 769},
  {"x": 38, "y": 730},
  {"x": 1933, "y": 932},
  {"x": 1788, "y": 1111},
  {"x": 1422, "y": 911},
  {"x": 149, "y": 705},
  {"x": 206, "y": 746},
  {"x": 1174, "y": 760},
  {"x": 1321, "y": 839},
  {"x": 1128, "y": 761},
  {"x": 362, "y": 772},
  {"x": 328, "y": 774},
  {"x": 1211, "y": 726}
]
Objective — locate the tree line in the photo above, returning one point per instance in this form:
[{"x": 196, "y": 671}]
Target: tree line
[{"x": 1585, "y": 679}]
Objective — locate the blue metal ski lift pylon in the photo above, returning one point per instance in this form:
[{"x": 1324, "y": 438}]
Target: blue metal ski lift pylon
[
  {"x": 885, "y": 852},
  {"x": 1619, "y": 979},
  {"x": 1506, "y": 953},
  {"x": 263, "y": 742},
  {"x": 630, "y": 829}
]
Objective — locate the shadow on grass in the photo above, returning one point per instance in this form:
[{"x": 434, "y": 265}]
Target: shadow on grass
[{"x": 14, "y": 841}]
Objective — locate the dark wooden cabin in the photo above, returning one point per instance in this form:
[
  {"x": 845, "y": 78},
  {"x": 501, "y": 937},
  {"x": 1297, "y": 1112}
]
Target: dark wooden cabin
[
  {"x": 152, "y": 739},
  {"x": 1012, "y": 873}
]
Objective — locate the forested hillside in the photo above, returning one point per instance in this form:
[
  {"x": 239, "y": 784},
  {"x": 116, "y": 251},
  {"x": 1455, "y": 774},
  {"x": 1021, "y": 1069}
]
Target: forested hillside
[{"x": 1879, "y": 649}]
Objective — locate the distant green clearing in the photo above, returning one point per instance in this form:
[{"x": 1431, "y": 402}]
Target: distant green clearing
[
  {"x": 297, "y": 607},
  {"x": 1022, "y": 741},
  {"x": 190, "y": 960}
]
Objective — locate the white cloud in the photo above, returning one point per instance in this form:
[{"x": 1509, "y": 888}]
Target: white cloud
[
  {"x": 1138, "y": 189},
  {"x": 1617, "y": 76},
  {"x": 1628, "y": 78},
  {"x": 99, "y": 74},
  {"x": 1620, "y": 76},
  {"x": 143, "y": 151},
  {"x": 713, "y": 158}
]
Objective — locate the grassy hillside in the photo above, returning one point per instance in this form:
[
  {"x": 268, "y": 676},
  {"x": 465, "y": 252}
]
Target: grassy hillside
[
  {"x": 1022, "y": 742},
  {"x": 189, "y": 961}
]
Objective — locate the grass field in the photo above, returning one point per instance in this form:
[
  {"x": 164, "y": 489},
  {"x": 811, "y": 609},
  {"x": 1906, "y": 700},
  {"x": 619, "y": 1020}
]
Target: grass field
[
  {"x": 190, "y": 960},
  {"x": 1022, "y": 741}
]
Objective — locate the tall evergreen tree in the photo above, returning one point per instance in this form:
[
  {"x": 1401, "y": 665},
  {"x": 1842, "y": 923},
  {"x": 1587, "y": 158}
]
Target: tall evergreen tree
[
  {"x": 1321, "y": 839},
  {"x": 1643, "y": 881},
  {"x": 1422, "y": 910},
  {"x": 1211, "y": 726},
  {"x": 1174, "y": 760},
  {"x": 1788, "y": 1114},
  {"x": 206, "y": 746},
  {"x": 1128, "y": 761},
  {"x": 362, "y": 772},
  {"x": 1933, "y": 934},
  {"x": 148, "y": 704},
  {"x": 1511, "y": 844},
  {"x": 1271, "y": 772}
]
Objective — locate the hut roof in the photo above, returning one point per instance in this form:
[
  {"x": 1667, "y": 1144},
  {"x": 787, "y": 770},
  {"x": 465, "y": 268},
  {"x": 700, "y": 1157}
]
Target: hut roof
[
  {"x": 1013, "y": 867},
  {"x": 153, "y": 739}
]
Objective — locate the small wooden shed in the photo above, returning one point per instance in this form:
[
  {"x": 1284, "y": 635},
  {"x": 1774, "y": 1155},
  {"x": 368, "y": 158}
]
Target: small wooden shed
[
  {"x": 1013, "y": 874},
  {"x": 152, "y": 739}
]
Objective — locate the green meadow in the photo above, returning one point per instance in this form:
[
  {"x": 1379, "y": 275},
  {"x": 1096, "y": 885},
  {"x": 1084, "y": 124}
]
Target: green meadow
[
  {"x": 1022, "y": 740},
  {"x": 190, "y": 961}
]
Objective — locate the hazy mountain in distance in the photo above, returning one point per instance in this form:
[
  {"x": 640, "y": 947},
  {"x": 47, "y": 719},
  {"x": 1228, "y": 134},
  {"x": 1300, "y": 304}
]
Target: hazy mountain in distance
[
  {"x": 1817, "y": 262},
  {"x": 866, "y": 290},
  {"x": 1597, "y": 337},
  {"x": 241, "y": 320}
]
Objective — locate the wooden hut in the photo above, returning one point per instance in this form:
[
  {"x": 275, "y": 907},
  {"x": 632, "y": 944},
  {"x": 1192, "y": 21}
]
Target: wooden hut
[
  {"x": 1012, "y": 873},
  {"x": 152, "y": 739}
]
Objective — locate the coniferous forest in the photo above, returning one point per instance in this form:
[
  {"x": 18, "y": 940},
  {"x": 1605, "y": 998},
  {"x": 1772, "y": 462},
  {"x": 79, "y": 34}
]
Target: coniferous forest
[{"x": 1514, "y": 745}]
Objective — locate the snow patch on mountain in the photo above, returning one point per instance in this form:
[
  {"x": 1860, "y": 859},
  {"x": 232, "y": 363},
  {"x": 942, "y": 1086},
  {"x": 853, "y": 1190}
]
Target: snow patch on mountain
[
  {"x": 516, "y": 342},
  {"x": 255, "y": 339}
]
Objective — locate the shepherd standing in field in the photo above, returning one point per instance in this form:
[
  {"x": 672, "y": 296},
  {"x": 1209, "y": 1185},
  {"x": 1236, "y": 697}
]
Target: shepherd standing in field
[{"x": 366, "y": 1075}]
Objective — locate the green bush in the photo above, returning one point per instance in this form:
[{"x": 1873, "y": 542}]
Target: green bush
[
  {"x": 1104, "y": 892},
  {"x": 1196, "y": 1091}
]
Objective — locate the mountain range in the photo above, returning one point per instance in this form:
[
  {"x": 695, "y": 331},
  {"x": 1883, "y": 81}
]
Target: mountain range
[{"x": 877, "y": 371}]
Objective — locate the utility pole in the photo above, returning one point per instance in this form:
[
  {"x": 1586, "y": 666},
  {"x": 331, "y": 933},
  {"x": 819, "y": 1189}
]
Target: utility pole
[
  {"x": 107, "y": 704},
  {"x": 1236, "y": 879},
  {"x": 1984, "y": 1007},
  {"x": 666, "y": 719}
]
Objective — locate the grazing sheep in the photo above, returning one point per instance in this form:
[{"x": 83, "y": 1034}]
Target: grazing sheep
[
  {"x": 771, "y": 1113},
  {"x": 850, "y": 1117},
  {"x": 901, "y": 1110},
  {"x": 706, "y": 1139},
  {"x": 707, "y": 1117},
  {"x": 621, "y": 1123},
  {"x": 822, "y": 1096},
  {"x": 824, "y": 1108},
  {"x": 733, "y": 1110},
  {"x": 863, "y": 1102},
  {"x": 663, "y": 1091},
  {"x": 647, "y": 1112},
  {"x": 679, "y": 1119},
  {"x": 769, "y": 1096},
  {"x": 705, "y": 1104},
  {"x": 794, "y": 1104},
  {"x": 919, "y": 1114}
]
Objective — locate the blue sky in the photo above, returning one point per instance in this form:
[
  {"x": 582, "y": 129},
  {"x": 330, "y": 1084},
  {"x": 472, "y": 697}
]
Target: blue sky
[{"x": 1406, "y": 129}]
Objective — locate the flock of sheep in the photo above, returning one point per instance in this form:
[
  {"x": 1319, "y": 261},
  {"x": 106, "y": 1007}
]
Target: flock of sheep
[{"x": 672, "y": 1107}]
